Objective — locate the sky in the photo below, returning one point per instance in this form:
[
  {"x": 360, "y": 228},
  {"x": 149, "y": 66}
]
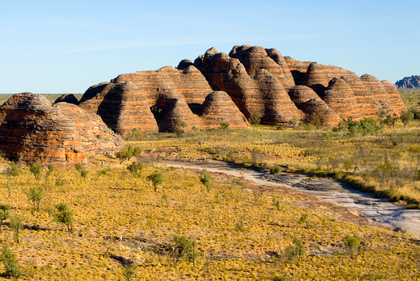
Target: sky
[{"x": 67, "y": 46}]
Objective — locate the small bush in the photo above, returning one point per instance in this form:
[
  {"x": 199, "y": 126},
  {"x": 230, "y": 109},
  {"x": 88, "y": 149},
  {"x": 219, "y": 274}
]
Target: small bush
[
  {"x": 4, "y": 213},
  {"x": 128, "y": 152},
  {"x": 129, "y": 271},
  {"x": 14, "y": 170},
  {"x": 135, "y": 168},
  {"x": 406, "y": 117},
  {"x": 255, "y": 118},
  {"x": 205, "y": 179},
  {"x": 187, "y": 247},
  {"x": 352, "y": 242},
  {"x": 16, "y": 225},
  {"x": 64, "y": 215},
  {"x": 36, "y": 170},
  {"x": 276, "y": 203},
  {"x": 240, "y": 225},
  {"x": 180, "y": 133},
  {"x": 224, "y": 125},
  {"x": 35, "y": 195},
  {"x": 156, "y": 178},
  {"x": 10, "y": 263},
  {"x": 297, "y": 250},
  {"x": 275, "y": 170},
  {"x": 82, "y": 170}
]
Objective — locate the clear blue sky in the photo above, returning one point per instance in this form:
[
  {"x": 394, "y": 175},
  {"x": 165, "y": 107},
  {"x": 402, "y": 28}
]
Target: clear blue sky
[{"x": 65, "y": 46}]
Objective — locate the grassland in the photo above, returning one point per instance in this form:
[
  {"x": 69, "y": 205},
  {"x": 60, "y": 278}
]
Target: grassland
[
  {"x": 237, "y": 235},
  {"x": 228, "y": 230}
]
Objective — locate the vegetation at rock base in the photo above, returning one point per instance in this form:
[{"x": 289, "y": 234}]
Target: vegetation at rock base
[{"x": 128, "y": 152}]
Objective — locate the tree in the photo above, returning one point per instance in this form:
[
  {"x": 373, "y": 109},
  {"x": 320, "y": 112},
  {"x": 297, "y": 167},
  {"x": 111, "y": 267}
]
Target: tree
[
  {"x": 10, "y": 262},
  {"x": 4, "y": 212},
  {"x": 36, "y": 170},
  {"x": 35, "y": 195},
  {"x": 156, "y": 178},
  {"x": 64, "y": 215},
  {"x": 127, "y": 153},
  {"x": 407, "y": 117}
]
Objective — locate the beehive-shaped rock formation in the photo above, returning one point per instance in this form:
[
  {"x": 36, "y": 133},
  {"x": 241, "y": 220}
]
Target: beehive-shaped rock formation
[
  {"x": 255, "y": 91},
  {"x": 219, "y": 108},
  {"x": 340, "y": 97},
  {"x": 69, "y": 98},
  {"x": 314, "y": 108},
  {"x": 258, "y": 81},
  {"x": 33, "y": 130}
]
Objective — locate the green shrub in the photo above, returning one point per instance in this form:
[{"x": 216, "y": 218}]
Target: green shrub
[
  {"x": 156, "y": 178},
  {"x": 186, "y": 246},
  {"x": 205, "y": 179},
  {"x": 82, "y": 170},
  {"x": 128, "y": 152},
  {"x": 9, "y": 261},
  {"x": 4, "y": 213},
  {"x": 255, "y": 118},
  {"x": 224, "y": 125},
  {"x": 64, "y": 215},
  {"x": 14, "y": 170},
  {"x": 275, "y": 170},
  {"x": 135, "y": 168},
  {"x": 276, "y": 203},
  {"x": 16, "y": 225},
  {"x": 180, "y": 133},
  {"x": 36, "y": 170},
  {"x": 406, "y": 117},
  {"x": 352, "y": 242},
  {"x": 35, "y": 195},
  {"x": 297, "y": 250},
  {"x": 129, "y": 271},
  {"x": 240, "y": 225}
]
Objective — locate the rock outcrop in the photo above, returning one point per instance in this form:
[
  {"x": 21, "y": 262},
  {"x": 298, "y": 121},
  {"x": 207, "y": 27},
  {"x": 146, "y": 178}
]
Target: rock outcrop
[
  {"x": 314, "y": 108},
  {"x": 258, "y": 81},
  {"x": 219, "y": 108},
  {"x": 68, "y": 98},
  {"x": 33, "y": 130},
  {"x": 412, "y": 82}
]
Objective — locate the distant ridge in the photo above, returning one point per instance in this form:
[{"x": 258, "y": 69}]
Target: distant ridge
[{"x": 412, "y": 82}]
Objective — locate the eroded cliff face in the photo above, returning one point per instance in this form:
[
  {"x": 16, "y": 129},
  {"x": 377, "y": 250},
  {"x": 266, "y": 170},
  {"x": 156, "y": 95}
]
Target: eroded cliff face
[
  {"x": 33, "y": 130},
  {"x": 255, "y": 81}
]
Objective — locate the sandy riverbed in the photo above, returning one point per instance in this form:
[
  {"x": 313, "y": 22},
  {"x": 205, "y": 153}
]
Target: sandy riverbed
[{"x": 378, "y": 211}]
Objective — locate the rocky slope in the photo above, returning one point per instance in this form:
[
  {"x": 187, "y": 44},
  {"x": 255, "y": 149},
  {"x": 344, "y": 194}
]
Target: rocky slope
[
  {"x": 255, "y": 81},
  {"x": 33, "y": 130},
  {"x": 412, "y": 82}
]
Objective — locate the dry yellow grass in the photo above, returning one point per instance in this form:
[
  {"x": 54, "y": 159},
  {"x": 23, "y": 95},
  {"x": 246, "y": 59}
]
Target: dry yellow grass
[{"x": 118, "y": 217}]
